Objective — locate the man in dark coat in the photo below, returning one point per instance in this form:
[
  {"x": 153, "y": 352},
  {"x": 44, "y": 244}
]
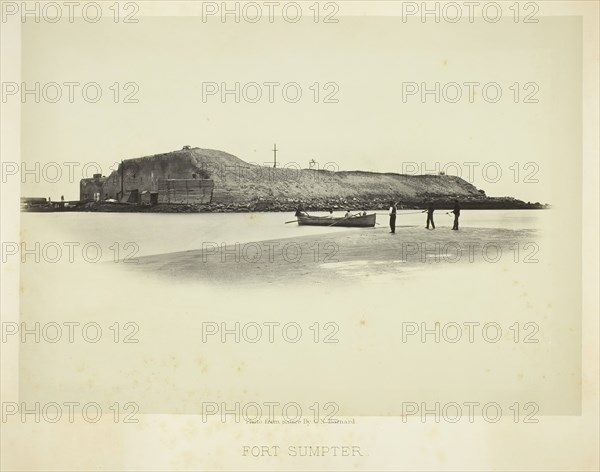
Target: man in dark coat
[
  {"x": 456, "y": 212},
  {"x": 392, "y": 217},
  {"x": 430, "y": 210}
]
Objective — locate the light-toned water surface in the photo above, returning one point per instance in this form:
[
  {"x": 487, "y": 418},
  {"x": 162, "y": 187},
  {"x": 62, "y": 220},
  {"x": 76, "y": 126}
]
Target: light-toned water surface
[{"x": 162, "y": 233}]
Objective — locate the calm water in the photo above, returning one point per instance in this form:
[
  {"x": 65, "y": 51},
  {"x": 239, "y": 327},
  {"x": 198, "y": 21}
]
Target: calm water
[{"x": 161, "y": 233}]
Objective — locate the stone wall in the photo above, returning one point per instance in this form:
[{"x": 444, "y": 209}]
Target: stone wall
[
  {"x": 185, "y": 191},
  {"x": 93, "y": 189},
  {"x": 176, "y": 179}
]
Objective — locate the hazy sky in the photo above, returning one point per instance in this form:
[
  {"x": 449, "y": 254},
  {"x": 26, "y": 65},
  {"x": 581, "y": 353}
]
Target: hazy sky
[{"x": 370, "y": 128}]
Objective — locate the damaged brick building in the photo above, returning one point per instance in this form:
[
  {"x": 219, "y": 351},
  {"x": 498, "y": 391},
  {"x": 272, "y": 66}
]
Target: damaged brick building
[{"x": 175, "y": 177}]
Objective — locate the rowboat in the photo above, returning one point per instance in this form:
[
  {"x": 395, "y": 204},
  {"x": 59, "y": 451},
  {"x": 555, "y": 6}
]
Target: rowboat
[{"x": 367, "y": 221}]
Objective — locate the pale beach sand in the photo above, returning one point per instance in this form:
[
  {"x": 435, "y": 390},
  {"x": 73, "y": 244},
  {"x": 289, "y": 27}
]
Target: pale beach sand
[{"x": 341, "y": 256}]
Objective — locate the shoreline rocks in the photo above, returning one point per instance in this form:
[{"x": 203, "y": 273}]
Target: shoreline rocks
[{"x": 290, "y": 205}]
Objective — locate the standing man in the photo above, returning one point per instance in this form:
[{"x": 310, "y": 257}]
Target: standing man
[
  {"x": 456, "y": 212},
  {"x": 393, "y": 217},
  {"x": 430, "y": 210}
]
